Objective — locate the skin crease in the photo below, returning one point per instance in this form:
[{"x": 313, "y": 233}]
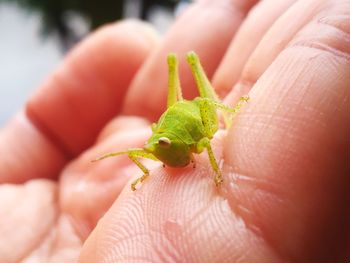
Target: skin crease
[
  {"x": 285, "y": 160},
  {"x": 231, "y": 66}
]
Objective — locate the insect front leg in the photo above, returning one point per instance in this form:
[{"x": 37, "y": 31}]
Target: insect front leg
[
  {"x": 144, "y": 170},
  {"x": 134, "y": 154},
  {"x": 205, "y": 143}
]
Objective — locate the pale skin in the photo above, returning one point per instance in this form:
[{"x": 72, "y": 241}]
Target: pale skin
[
  {"x": 202, "y": 108},
  {"x": 285, "y": 168}
]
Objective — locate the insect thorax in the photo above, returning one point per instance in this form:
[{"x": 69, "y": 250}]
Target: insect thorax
[{"x": 184, "y": 120}]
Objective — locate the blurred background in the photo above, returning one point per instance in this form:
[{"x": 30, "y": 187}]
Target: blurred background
[{"x": 36, "y": 34}]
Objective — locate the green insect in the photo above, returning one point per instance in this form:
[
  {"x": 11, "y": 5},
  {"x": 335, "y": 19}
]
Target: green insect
[{"x": 186, "y": 127}]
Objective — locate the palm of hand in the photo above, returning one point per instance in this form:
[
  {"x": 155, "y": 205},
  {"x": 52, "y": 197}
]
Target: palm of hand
[{"x": 285, "y": 170}]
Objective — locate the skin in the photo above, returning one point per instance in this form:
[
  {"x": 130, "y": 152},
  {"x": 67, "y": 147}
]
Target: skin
[{"x": 285, "y": 159}]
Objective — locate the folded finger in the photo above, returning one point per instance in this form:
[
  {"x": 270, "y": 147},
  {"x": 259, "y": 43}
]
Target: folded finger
[
  {"x": 66, "y": 113},
  {"x": 87, "y": 90},
  {"x": 206, "y": 27},
  {"x": 250, "y": 33},
  {"x": 273, "y": 42}
]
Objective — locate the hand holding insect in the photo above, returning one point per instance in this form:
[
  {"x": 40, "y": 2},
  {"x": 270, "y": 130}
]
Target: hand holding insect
[
  {"x": 286, "y": 191},
  {"x": 186, "y": 127}
]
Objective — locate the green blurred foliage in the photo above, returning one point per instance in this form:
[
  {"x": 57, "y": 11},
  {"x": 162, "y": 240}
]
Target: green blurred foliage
[
  {"x": 53, "y": 15},
  {"x": 52, "y": 11},
  {"x": 54, "y": 20}
]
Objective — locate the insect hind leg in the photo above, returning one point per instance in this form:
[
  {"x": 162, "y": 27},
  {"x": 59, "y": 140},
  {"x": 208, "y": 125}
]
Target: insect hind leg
[
  {"x": 205, "y": 88},
  {"x": 174, "y": 88}
]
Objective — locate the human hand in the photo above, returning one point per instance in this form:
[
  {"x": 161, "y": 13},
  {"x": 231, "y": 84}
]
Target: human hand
[
  {"x": 60, "y": 120},
  {"x": 284, "y": 196}
]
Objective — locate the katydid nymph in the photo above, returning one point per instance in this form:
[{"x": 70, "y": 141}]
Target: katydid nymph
[{"x": 186, "y": 127}]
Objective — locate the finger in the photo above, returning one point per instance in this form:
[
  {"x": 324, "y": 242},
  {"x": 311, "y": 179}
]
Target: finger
[
  {"x": 70, "y": 108},
  {"x": 88, "y": 189},
  {"x": 290, "y": 148},
  {"x": 253, "y": 28},
  {"x": 272, "y": 43},
  {"x": 30, "y": 222},
  {"x": 26, "y": 153},
  {"x": 176, "y": 216},
  {"x": 207, "y": 28},
  {"x": 27, "y": 214},
  {"x": 122, "y": 123},
  {"x": 88, "y": 89},
  {"x": 61, "y": 244}
]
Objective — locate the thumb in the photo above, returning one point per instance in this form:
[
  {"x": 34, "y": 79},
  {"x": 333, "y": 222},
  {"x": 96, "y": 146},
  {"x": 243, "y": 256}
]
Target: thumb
[{"x": 290, "y": 148}]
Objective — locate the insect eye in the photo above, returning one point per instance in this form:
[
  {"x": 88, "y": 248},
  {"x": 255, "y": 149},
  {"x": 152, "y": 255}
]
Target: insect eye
[{"x": 164, "y": 142}]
